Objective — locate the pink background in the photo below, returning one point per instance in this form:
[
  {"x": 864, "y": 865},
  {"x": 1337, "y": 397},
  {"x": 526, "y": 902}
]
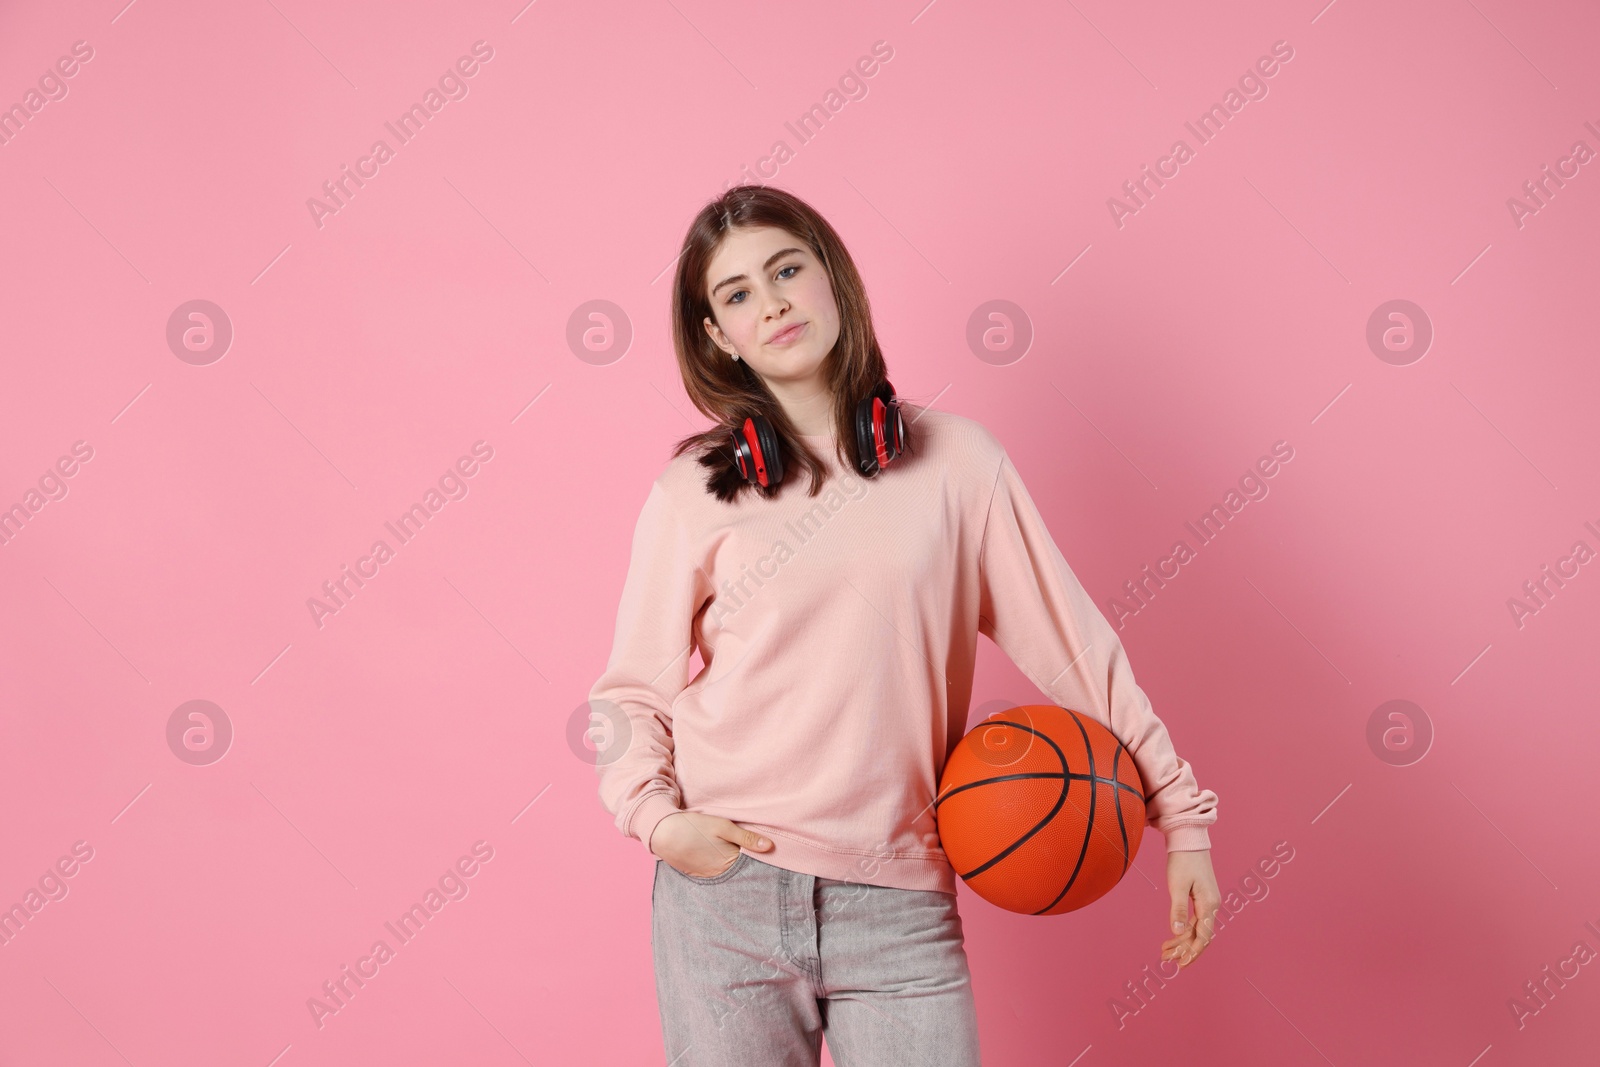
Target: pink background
[{"x": 436, "y": 309}]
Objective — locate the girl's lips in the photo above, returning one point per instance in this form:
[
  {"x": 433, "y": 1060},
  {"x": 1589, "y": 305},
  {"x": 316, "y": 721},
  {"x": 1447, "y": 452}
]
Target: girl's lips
[{"x": 788, "y": 334}]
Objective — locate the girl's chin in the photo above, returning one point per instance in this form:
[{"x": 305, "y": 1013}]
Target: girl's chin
[{"x": 789, "y": 364}]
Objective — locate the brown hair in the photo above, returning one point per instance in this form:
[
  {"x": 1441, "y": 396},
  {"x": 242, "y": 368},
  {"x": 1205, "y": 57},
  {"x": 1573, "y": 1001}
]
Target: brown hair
[{"x": 728, "y": 390}]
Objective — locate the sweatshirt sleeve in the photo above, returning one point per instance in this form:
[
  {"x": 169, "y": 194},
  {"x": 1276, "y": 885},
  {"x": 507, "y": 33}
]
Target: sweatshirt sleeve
[
  {"x": 648, "y": 667},
  {"x": 1034, "y": 608}
]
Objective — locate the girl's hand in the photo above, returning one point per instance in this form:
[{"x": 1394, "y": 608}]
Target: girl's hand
[
  {"x": 1189, "y": 874},
  {"x": 698, "y": 845}
]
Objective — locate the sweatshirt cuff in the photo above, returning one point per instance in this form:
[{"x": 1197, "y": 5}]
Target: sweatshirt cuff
[
  {"x": 1191, "y": 838},
  {"x": 651, "y": 810}
]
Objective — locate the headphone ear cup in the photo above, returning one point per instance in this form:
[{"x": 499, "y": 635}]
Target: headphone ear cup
[
  {"x": 876, "y": 447},
  {"x": 771, "y": 451},
  {"x": 756, "y": 452},
  {"x": 866, "y": 448},
  {"x": 894, "y": 427},
  {"x": 743, "y": 453}
]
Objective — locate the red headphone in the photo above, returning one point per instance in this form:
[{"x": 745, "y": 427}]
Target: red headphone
[{"x": 880, "y": 438}]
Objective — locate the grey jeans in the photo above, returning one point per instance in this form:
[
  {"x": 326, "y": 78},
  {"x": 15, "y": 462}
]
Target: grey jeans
[{"x": 754, "y": 965}]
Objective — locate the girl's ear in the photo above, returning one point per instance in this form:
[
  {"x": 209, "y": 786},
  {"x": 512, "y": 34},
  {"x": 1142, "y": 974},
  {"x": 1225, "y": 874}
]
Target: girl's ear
[{"x": 714, "y": 332}]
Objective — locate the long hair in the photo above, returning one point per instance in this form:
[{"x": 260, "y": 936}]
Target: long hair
[{"x": 727, "y": 390}]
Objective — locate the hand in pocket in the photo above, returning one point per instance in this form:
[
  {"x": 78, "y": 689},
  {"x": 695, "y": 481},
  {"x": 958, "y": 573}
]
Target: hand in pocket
[{"x": 702, "y": 846}]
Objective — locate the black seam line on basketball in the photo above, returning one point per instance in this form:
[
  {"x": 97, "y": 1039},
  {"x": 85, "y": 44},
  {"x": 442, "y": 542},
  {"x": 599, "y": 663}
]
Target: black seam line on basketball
[
  {"x": 1039, "y": 774},
  {"x": 1122, "y": 827},
  {"x": 1094, "y": 796},
  {"x": 1066, "y": 785}
]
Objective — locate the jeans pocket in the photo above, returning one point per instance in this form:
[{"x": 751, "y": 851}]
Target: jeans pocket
[{"x": 732, "y": 870}]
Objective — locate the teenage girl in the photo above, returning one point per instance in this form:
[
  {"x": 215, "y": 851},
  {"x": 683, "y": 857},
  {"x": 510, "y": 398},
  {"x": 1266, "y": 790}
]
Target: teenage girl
[{"x": 833, "y": 555}]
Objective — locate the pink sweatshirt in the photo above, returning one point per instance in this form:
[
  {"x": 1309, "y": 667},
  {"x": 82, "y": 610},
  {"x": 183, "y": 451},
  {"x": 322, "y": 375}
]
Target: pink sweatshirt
[{"x": 839, "y": 634}]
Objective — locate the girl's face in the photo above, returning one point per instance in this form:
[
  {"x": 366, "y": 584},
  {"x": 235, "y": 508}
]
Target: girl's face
[{"x": 772, "y": 303}]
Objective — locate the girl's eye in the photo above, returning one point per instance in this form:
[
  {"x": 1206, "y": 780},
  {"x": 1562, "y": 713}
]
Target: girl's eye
[{"x": 734, "y": 299}]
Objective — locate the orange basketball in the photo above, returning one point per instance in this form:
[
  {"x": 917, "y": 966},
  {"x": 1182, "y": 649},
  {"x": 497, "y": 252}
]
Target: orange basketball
[{"x": 1040, "y": 810}]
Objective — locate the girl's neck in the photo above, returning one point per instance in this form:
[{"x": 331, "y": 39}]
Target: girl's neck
[{"x": 808, "y": 405}]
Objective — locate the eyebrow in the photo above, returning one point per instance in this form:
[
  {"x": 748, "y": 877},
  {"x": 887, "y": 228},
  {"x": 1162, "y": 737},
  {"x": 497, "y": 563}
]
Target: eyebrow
[{"x": 765, "y": 266}]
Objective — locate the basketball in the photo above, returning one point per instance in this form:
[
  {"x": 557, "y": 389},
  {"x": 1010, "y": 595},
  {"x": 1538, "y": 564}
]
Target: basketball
[{"x": 1040, "y": 810}]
